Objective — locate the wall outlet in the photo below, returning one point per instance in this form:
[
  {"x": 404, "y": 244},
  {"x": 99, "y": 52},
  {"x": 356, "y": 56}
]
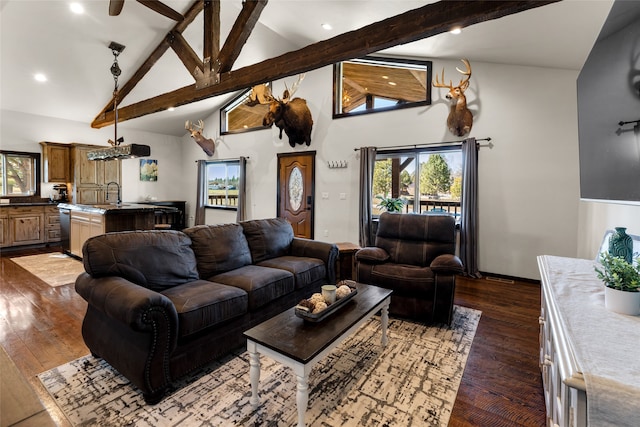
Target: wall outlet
[
  {"x": 325, "y": 233},
  {"x": 343, "y": 196}
]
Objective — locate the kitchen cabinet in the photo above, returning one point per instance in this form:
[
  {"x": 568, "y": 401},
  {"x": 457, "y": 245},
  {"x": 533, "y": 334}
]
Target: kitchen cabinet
[
  {"x": 29, "y": 225},
  {"x": 51, "y": 224},
  {"x": 26, "y": 226},
  {"x": 4, "y": 228},
  {"x": 83, "y": 226},
  {"x": 90, "y": 177},
  {"x": 56, "y": 162}
]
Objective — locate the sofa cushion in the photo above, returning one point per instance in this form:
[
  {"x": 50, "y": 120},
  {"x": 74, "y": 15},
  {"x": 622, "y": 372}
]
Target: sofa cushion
[
  {"x": 306, "y": 271},
  {"x": 219, "y": 248},
  {"x": 268, "y": 238},
  {"x": 263, "y": 284},
  {"x": 202, "y": 304},
  {"x": 154, "y": 259}
]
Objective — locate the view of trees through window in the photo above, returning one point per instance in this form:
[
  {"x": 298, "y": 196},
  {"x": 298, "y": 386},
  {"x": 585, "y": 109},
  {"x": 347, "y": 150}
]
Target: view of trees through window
[
  {"x": 426, "y": 181},
  {"x": 223, "y": 178},
  {"x": 18, "y": 173}
]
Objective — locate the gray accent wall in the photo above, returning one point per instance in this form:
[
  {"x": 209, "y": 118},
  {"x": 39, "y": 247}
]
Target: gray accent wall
[{"x": 609, "y": 92}]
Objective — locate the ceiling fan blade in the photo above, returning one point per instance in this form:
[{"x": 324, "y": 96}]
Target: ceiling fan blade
[
  {"x": 115, "y": 7},
  {"x": 162, "y": 9}
]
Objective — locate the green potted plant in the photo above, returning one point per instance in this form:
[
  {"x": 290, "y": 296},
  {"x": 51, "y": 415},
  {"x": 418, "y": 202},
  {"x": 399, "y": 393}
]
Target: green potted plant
[
  {"x": 390, "y": 204},
  {"x": 622, "y": 284}
]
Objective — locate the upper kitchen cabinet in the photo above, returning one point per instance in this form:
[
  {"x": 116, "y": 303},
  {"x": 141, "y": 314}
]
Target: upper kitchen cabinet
[
  {"x": 56, "y": 162},
  {"x": 90, "y": 177}
]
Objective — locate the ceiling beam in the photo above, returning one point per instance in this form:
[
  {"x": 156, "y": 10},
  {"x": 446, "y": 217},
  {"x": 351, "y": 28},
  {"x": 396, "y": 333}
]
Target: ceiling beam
[
  {"x": 186, "y": 54},
  {"x": 162, "y": 9},
  {"x": 407, "y": 27},
  {"x": 211, "y": 30},
  {"x": 194, "y": 10},
  {"x": 242, "y": 28}
]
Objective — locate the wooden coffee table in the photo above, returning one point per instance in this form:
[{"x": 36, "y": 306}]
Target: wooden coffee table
[{"x": 299, "y": 344}]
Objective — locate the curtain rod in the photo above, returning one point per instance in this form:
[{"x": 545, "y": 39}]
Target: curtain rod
[
  {"x": 223, "y": 160},
  {"x": 489, "y": 145}
]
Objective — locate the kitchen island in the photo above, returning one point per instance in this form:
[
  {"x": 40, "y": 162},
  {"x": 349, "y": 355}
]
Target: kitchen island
[{"x": 85, "y": 221}]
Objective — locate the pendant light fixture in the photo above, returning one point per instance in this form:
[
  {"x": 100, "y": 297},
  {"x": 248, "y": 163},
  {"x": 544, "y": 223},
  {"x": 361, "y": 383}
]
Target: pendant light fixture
[{"x": 117, "y": 151}]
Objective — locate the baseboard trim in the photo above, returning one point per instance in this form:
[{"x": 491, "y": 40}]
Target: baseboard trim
[{"x": 502, "y": 278}]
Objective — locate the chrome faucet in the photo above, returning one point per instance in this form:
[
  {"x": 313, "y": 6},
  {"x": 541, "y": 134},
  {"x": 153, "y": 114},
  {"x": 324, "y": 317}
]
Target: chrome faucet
[{"x": 119, "y": 201}]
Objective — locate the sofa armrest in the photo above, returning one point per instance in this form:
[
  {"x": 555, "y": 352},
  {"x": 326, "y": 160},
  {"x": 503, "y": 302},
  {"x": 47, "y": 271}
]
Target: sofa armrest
[
  {"x": 372, "y": 255},
  {"x": 447, "y": 263},
  {"x": 327, "y": 252},
  {"x": 136, "y": 307}
]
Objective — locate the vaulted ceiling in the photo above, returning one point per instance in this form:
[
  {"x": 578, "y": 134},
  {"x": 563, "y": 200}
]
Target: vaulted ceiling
[{"x": 44, "y": 36}]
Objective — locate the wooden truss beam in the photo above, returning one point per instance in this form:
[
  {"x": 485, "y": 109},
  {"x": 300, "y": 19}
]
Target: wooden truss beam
[
  {"x": 194, "y": 10},
  {"x": 162, "y": 9},
  {"x": 407, "y": 27}
]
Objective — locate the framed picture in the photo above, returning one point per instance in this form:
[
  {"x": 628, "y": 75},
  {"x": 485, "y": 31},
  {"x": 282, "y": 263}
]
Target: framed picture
[{"x": 148, "y": 170}]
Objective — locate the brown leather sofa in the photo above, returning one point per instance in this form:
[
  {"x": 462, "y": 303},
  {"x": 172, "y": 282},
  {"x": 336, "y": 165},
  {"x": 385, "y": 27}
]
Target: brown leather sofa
[
  {"x": 163, "y": 303},
  {"x": 414, "y": 255}
]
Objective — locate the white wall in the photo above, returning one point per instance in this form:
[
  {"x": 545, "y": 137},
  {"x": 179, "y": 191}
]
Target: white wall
[
  {"x": 23, "y": 132},
  {"x": 528, "y": 181}
]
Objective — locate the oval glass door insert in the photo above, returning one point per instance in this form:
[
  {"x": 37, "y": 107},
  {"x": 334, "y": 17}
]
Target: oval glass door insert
[{"x": 295, "y": 188}]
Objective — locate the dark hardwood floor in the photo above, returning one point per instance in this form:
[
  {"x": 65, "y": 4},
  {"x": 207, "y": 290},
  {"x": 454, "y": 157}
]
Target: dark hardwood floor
[{"x": 501, "y": 386}]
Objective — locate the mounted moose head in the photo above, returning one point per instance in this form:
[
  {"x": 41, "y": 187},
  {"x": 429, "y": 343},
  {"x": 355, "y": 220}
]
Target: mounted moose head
[
  {"x": 291, "y": 115},
  {"x": 460, "y": 118},
  {"x": 207, "y": 144}
]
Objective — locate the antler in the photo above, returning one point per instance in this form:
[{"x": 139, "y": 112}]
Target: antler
[
  {"x": 294, "y": 87},
  {"x": 193, "y": 127},
  {"x": 436, "y": 83},
  {"x": 464, "y": 81}
]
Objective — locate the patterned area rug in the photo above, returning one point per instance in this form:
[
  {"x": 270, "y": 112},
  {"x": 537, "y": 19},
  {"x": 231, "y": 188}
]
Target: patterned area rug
[
  {"x": 56, "y": 269},
  {"x": 412, "y": 381}
]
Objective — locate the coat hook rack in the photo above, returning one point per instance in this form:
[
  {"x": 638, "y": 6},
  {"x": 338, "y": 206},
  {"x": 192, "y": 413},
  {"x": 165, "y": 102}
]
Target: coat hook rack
[
  {"x": 635, "y": 128},
  {"x": 336, "y": 164}
]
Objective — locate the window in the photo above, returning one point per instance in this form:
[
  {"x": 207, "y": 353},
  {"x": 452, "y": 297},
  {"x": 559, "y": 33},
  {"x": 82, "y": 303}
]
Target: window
[
  {"x": 19, "y": 173},
  {"x": 223, "y": 178},
  {"x": 373, "y": 84},
  {"x": 237, "y": 116},
  {"x": 427, "y": 180}
]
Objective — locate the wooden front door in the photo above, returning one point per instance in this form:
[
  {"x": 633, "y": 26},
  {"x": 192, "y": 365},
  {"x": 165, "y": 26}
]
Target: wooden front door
[{"x": 296, "y": 185}]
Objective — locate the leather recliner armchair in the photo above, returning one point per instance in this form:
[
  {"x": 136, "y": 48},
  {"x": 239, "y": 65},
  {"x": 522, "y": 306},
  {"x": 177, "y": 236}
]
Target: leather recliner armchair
[{"x": 414, "y": 255}]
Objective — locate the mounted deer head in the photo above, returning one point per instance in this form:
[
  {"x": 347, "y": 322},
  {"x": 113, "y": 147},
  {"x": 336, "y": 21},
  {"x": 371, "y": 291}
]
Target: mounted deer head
[
  {"x": 207, "y": 144},
  {"x": 291, "y": 115},
  {"x": 460, "y": 118}
]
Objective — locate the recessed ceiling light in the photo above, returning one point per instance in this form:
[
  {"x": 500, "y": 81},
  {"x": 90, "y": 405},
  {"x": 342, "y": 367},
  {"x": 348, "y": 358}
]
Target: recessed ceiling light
[
  {"x": 327, "y": 27},
  {"x": 385, "y": 77},
  {"x": 170, "y": 109},
  {"x": 456, "y": 30},
  {"x": 40, "y": 77},
  {"x": 392, "y": 83},
  {"x": 76, "y": 8}
]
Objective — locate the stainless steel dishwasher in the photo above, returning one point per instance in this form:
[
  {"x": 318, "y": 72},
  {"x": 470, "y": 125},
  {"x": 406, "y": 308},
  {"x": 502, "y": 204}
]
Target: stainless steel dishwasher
[{"x": 65, "y": 228}]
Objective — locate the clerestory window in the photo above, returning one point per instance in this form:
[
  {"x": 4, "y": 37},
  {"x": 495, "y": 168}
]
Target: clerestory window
[{"x": 374, "y": 84}]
